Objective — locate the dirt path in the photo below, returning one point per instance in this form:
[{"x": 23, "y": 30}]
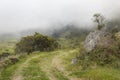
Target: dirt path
[
  {"x": 17, "y": 75},
  {"x": 51, "y": 64},
  {"x": 57, "y": 63},
  {"x": 46, "y": 66}
]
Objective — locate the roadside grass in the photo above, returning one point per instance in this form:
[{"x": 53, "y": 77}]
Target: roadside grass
[
  {"x": 67, "y": 61},
  {"x": 9, "y": 71},
  {"x": 98, "y": 74},
  {"x": 58, "y": 74},
  {"x": 37, "y": 68}
]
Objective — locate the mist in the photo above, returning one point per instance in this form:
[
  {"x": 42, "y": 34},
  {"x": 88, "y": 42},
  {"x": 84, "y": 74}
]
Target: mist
[{"x": 20, "y": 15}]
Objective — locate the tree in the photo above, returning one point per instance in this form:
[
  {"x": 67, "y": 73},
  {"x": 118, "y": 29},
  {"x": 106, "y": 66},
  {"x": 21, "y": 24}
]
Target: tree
[
  {"x": 26, "y": 44},
  {"x": 37, "y": 42},
  {"x": 44, "y": 43},
  {"x": 99, "y": 19}
]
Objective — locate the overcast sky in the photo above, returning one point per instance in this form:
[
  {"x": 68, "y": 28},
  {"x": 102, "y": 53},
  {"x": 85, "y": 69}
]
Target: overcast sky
[{"x": 16, "y": 15}]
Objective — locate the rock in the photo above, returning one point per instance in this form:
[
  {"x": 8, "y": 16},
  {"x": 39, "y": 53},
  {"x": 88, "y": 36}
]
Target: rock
[
  {"x": 95, "y": 38},
  {"x": 74, "y": 61},
  {"x": 14, "y": 60}
]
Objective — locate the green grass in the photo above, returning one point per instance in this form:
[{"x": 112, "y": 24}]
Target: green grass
[
  {"x": 67, "y": 61},
  {"x": 8, "y": 72},
  {"x": 7, "y": 46},
  {"x": 33, "y": 71},
  {"x": 98, "y": 74},
  {"x": 59, "y": 75}
]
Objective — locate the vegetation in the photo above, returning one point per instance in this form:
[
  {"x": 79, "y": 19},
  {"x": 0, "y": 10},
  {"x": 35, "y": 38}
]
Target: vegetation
[
  {"x": 55, "y": 65},
  {"x": 100, "y": 73},
  {"x": 99, "y": 19},
  {"x": 37, "y": 42},
  {"x": 70, "y": 62},
  {"x": 100, "y": 57},
  {"x": 70, "y": 36}
]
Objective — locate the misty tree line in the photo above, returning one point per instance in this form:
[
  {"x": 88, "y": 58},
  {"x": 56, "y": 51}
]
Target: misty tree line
[
  {"x": 36, "y": 42},
  {"x": 111, "y": 26}
]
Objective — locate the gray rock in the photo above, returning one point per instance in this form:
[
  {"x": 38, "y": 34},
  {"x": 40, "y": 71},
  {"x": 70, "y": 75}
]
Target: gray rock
[
  {"x": 97, "y": 37},
  {"x": 74, "y": 61}
]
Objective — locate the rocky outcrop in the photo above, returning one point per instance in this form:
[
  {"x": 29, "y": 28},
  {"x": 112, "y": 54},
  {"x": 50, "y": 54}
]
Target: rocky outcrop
[{"x": 95, "y": 38}]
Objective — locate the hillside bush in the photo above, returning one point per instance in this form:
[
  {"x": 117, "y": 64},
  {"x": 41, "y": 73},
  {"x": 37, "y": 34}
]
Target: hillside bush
[
  {"x": 101, "y": 56},
  {"x": 36, "y": 42}
]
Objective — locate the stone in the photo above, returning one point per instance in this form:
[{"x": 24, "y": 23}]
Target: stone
[
  {"x": 74, "y": 61},
  {"x": 97, "y": 37}
]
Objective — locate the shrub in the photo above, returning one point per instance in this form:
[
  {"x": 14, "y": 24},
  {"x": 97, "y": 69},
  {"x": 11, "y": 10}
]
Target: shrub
[
  {"x": 37, "y": 42},
  {"x": 101, "y": 56}
]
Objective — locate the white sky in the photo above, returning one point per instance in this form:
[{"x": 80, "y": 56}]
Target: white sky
[{"x": 16, "y": 15}]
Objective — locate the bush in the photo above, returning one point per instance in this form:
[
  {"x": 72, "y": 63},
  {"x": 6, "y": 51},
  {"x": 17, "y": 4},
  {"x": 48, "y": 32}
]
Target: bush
[
  {"x": 37, "y": 42},
  {"x": 101, "y": 56}
]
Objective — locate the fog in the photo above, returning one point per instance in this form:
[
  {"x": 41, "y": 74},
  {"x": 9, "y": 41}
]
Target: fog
[{"x": 18, "y": 15}]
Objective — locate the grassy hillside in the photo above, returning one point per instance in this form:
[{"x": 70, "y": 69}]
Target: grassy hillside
[
  {"x": 7, "y": 45},
  {"x": 55, "y": 65}
]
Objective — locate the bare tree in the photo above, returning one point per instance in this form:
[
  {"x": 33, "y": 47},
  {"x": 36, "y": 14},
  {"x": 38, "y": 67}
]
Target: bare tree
[{"x": 99, "y": 19}]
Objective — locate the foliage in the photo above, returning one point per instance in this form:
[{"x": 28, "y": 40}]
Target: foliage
[
  {"x": 99, "y": 19},
  {"x": 101, "y": 56},
  {"x": 100, "y": 73},
  {"x": 25, "y": 45},
  {"x": 37, "y": 42}
]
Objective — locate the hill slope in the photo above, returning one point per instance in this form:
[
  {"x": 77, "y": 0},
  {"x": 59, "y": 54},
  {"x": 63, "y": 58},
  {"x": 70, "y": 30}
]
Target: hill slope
[{"x": 54, "y": 66}]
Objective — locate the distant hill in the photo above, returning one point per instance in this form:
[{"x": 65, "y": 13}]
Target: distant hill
[
  {"x": 67, "y": 31},
  {"x": 32, "y": 31},
  {"x": 9, "y": 36},
  {"x": 70, "y": 31}
]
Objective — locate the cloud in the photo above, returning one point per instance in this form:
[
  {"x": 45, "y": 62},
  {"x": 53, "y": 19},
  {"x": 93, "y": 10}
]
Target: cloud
[{"x": 16, "y": 15}]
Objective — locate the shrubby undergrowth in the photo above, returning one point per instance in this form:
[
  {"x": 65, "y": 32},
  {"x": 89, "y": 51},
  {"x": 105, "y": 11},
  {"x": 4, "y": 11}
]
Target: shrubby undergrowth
[
  {"x": 9, "y": 61},
  {"x": 101, "y": 56}
]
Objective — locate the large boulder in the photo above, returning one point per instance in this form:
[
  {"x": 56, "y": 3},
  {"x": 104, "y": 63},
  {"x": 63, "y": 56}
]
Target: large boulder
[{"x": 97, "y": 37}]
